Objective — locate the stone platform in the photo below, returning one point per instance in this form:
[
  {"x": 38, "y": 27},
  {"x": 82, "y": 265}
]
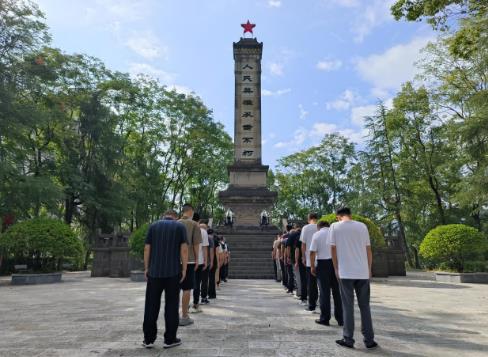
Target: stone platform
[{"x": 85, "y": 316}]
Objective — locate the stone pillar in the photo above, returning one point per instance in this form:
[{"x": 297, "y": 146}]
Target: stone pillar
[{"x": 247, "y": 195}]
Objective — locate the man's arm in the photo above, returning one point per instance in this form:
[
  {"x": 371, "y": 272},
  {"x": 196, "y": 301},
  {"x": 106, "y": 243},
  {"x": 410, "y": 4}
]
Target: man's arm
[
  {"x": 370, "y": 260},
  {"x": 288, "y": 254},
  {"x": 304, "y": 256},
  {"x": 184, "y": 260},
  {"x": 212, "y": 256},
  {"x": 147, "y": 255},
  {"x": 333, "y": 252},
  {"x": 197, "y": 240},
  {"x": 297, "y": 256},
  {"x": 312, "y": 262},
  {"x": 205, "y": 257}
]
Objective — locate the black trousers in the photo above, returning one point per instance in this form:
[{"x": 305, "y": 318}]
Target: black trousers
[
  {"x": 224, "y": 272},
  {"x": 291, "y": 277},
  {"x": 327, "y": 282},
  {"x": 154, "y": 290},
  {"x": 196, "y": 287},
  {"x": 275, "y": 269},
  {"x": 284, "y": 279},
  {"x": 204, "y": 286},
  {"x": 312, "y": 290},
  {"x": 303, "y": 281},
  {"x": 212, "y": 292}
]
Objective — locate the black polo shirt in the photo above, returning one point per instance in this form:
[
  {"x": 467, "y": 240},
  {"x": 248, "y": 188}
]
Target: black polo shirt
[
  {"x": 165, "y": 238},
  {"x": 292, "y": 241}
]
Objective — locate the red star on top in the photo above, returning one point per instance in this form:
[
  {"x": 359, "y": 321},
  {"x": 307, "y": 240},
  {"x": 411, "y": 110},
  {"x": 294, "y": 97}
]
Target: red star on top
[{"x": 248, "y": 27}]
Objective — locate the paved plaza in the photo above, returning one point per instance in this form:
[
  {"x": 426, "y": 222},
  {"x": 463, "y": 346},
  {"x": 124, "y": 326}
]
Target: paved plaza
[{"x": 85, "y": 316}]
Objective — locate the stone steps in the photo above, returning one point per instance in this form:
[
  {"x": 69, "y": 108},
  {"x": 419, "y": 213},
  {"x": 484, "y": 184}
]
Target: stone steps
[{"x": 250, "y": 255}]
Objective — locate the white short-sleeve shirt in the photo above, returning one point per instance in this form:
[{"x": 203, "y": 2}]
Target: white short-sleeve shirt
[
  {"x": 321, "y": 244},
  {"x": 201, "y": 245},
  {"x": 351, "y": 239},
  {"x": 306, "y": 237}
]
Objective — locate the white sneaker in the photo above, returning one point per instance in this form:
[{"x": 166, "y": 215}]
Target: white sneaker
[
  {"x": 185, "y": 321},
  {"x": 303, "y": 303},
  {"x": 147, "y": 345}
]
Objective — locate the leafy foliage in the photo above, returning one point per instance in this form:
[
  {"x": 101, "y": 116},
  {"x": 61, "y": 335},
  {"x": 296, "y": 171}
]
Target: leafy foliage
[
  {"x": 41, "y": 243},
  {"x": 137, "y": 239},
  {"x": 377, "y": 239},
  {"x": 453, "y": 245}
]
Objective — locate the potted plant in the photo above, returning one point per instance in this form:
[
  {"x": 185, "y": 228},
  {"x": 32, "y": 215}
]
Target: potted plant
[
  {"x": 457, "y": 249},
  {"x": 40, "y": 246}
]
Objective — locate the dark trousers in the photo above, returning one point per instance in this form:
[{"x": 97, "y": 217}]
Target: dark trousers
[
  {"x": 312, "y": 290},
  {"x": 283, "y": 273},
  {"x": 327, "y": 282},
  {"x": 204, "y": 286},
  {"x": 291, "y": 277},
  {"x": 196, "y": 287},
  {"x": 362, "y": 290},
  {"x": 303, "y": 281},
  {"x": 154, "y": 290},
  {"x": 224, "y": 271},
  {"x": 275, "y": 269},
  {"x": 212, "y": 292}
]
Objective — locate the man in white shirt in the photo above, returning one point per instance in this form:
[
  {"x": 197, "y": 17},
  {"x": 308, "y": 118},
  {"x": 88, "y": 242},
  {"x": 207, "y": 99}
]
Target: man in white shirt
[
  {"x": 321, "y": 266},
  {"x": 202, "y": 265},
  {"x": 352, "y": 258},
  {"x": 306, "y": 239}
]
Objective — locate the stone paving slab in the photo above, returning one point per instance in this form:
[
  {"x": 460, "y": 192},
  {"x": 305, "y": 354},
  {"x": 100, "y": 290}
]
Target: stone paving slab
[{"x": 85, "y": 316}]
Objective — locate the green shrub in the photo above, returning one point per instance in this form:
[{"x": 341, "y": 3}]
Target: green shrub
[
  {"x": 474, "y": 266},
  {"x": 137, "y": 239},
  {"x": 377, "y": 239},
  {"x": 41, "y": 243},
  {"x": 451, "y": 246}
]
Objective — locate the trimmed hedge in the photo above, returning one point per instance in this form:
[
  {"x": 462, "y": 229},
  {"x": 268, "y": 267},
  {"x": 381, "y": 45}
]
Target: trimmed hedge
[
  {"x": 451, "y": 246},
  {"x": 137, "y": 239},
  {"x": 41, "y": 243},
  {"x": 377, "y": 239}
]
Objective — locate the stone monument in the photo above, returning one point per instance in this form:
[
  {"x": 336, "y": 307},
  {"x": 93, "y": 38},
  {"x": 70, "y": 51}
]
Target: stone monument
[
  {"x": 247, "y": 200},
  {"x": 247, "y": 195}
]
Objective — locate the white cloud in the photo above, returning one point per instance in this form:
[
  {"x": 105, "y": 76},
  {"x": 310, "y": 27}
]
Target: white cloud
[
  {"x": 373, "y": 15},
  {"x": 276, "y": 69},
  {"x": 388, "y": 70},
  {"x": 274, "y": 3},
  {"x": 147, "y": 69},
  {"x": 181, "y": 89},
  {"x": 277, "y": 93},
  {"x": 347, "y": 3},
  {"x": 344, "y": 102},
  {"x": 303, "y": 113},
  {"x": 329, "y": 65},
  {"x": 147, "y": 45},
  {"x": 359, "y": 113}
]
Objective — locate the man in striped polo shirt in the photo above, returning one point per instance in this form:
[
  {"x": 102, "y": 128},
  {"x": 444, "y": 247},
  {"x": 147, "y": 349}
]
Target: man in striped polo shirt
[{"x": 165, "y": 265}]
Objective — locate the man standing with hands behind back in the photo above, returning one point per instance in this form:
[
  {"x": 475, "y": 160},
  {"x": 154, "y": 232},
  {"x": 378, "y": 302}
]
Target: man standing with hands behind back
[
  {"x": 194, "y": 236},
  {"x": 352, "y": 259},
  {"x": 165, "y": 258}
]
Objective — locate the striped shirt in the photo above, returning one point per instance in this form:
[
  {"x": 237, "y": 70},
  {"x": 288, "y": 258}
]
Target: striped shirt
[{"x": 165, "y": 238}]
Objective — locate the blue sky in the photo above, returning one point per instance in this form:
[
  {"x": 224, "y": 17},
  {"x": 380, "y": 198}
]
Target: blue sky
[{"x": 325, "y": 62}]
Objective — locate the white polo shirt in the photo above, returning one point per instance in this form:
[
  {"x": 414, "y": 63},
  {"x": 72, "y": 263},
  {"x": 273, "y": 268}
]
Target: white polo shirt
[
  {"x": 306, "y": 237},
  {"x": 351, "y": 239},
  {"x": 201, "y": 245},
  {"x": 321, "y": 244}
]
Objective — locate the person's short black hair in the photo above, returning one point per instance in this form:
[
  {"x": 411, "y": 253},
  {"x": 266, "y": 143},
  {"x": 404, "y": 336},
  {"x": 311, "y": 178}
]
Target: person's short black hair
[
  {"x": 210, "y": 231},
  {"x": 322, "y": 224},
  {"x": 313, "y": 215},
  {"x": 289, "y": 227},
  {"x": 170, "y": 213},
  {"x": 343, "y": 211},
  {"x": 187, "y": 207},
  {"x": 196, "y": 217}
]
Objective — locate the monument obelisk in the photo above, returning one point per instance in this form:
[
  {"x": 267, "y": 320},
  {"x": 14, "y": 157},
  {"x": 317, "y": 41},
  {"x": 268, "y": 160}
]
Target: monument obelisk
[{"x": 247, "y": 194}]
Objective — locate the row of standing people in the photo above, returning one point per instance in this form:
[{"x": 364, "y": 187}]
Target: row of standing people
[
  {"x": 320, "y": 259},
  {"x": 180, "y": 255}
]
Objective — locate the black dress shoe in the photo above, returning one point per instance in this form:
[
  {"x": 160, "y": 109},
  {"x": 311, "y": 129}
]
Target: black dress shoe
[
  {"x": 340, "y": 323},
  {"x": 371, "y": 345},
  {"x": 322, "y": 322},
  {"x": 344, "y": 343}
]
